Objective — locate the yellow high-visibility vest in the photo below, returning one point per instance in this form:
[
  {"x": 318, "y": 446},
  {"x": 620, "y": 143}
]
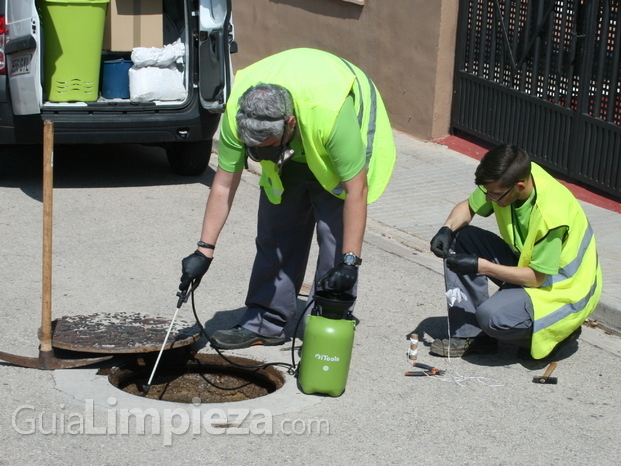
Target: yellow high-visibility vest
[
  {"x": 566, "y": 299},
  {"x": 319, "y": 82}
]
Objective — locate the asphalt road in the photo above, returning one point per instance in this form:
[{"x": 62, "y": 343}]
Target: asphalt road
[{"x": 123, "y": 222}]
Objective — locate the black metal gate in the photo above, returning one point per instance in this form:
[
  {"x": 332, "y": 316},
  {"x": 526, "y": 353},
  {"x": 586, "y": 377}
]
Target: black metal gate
[{"x": 545, "y": 75}]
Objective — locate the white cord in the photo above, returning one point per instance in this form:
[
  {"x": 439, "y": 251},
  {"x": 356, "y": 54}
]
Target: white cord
[{"x": 462, "y": 379}]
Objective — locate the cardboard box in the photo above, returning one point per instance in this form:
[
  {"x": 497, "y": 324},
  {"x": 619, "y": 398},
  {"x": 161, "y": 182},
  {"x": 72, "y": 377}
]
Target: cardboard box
[{"x": 133, "y": 23}]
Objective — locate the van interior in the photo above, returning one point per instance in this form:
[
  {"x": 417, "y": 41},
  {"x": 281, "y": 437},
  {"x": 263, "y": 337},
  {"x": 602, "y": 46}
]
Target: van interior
[
  {"x": 49, "y": 43},
  {"x": 155, "y": 28}
]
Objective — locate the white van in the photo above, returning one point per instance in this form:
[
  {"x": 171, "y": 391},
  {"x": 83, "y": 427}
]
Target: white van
[{"x": 184, "y": 124}]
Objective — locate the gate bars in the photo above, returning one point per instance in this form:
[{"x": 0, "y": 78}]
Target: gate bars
[{"x": 545, "y": 75}]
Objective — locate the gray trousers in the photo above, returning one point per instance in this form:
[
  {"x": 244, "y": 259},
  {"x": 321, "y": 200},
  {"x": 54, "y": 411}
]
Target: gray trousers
[
  {"x": 284, "y": 237},
  {"x": 508, "y": 314}
]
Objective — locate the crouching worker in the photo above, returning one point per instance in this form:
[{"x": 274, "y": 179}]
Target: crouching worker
[
  {"x": 318, "y": 126},
  {"x": 545, "y": 264}
]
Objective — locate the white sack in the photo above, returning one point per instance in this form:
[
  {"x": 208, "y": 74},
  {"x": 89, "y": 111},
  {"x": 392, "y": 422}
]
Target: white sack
[
  {"x": 160, "y": 57},
  {"x": 151, "y": 83}
]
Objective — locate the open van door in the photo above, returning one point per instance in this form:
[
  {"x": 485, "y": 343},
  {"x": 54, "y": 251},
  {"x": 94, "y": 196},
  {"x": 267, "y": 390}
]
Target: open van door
[
  {"x": 214, "y": 48},
  {"x": 23, "y": 49}
]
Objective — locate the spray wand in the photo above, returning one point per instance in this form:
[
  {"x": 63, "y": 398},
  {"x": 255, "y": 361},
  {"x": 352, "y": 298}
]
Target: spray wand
[{"x": 183, "y": 298}]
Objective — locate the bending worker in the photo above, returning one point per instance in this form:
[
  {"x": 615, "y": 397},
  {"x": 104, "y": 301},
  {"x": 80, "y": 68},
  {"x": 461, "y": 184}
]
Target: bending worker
[
  {"x": 318, "y": 127},
  {"x": 545, "y": 264}
]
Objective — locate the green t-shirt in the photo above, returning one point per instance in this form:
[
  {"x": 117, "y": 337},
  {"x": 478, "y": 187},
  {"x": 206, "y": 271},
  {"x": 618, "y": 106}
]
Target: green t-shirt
[
  {"x": 344, "y": 144},
  {"x": 546, "y": 253}
]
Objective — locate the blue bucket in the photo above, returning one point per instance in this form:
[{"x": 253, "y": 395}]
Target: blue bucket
[{"x": 115, "y": 79}]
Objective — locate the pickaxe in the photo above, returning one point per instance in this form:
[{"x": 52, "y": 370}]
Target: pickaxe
[{"x": 46, "y": 359}]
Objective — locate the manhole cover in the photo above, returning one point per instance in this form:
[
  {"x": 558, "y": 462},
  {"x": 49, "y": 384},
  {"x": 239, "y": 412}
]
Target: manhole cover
[
  {"x": 205, "y": 377},
  {"x": 121, "y": 333}
]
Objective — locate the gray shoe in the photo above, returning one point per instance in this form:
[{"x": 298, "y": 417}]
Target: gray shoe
[
  {"x": 459, "y": 347},
  {"x": 239, "y": 337}
]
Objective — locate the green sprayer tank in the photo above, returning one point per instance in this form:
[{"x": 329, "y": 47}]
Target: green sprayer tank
[{"x": 328, "y": 343}]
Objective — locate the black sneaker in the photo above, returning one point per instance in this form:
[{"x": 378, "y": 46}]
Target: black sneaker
[
  {"x": 459, "y": 347},
  {"x": 524, "y": 353},
  {"x": 239, "y": 337}
]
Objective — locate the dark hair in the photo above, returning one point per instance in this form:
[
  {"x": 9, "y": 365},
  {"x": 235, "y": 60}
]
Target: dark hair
[{"x": 507, "y": 163}]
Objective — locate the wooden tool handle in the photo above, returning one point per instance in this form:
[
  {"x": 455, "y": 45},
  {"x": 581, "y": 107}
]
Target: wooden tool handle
[
  {"x": 550, "y": 369},
  {"x": 48, "y": 183}
]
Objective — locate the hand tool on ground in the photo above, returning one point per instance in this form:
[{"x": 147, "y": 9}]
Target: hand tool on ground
[
  {"x": 427, "y": 370},
  {"x": 183, "y": 297},
  {"x": 46, "y": 359},
  {"x": 545, "y": 378}
]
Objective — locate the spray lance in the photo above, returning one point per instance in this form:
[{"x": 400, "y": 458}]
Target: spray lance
[
  {"x": 183, "y": 298},
  {"x": 198, "y": 263}
]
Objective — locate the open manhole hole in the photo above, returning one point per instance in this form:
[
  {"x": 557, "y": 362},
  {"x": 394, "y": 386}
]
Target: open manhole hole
[{"x": 204, "y": 377}]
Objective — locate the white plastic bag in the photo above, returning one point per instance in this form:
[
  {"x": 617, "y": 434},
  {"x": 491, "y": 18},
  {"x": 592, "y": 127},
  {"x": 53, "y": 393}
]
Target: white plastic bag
[
  {"x": 160, "y": 57},
  {"x": 455, "y": 295},
  {"x": 152, "y": 83}
]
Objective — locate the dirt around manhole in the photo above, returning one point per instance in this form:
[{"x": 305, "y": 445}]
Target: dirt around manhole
[{"x": 206, "y": 378}]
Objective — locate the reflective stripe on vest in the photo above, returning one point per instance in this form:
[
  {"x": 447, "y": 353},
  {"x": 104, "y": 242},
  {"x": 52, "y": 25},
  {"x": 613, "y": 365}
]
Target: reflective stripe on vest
[
  {"x": 338, "y": 189},
  {"x": 565, "y": 311},
  {"x": 372, "y": 115},
  {"x": 570, "y": 269}
]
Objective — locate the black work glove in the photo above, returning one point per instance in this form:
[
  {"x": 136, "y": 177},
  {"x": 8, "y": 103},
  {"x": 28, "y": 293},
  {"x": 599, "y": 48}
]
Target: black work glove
[
  {"x": 340, "y": 279},
  {"x": 463, "y": 264},
  {"x": 441, "y": 243},
  {"x": 193, "y": 268}
]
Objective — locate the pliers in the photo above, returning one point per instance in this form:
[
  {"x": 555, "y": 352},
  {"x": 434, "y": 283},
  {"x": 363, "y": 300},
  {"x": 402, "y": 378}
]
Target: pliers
[{"x": 427, "y": 370}]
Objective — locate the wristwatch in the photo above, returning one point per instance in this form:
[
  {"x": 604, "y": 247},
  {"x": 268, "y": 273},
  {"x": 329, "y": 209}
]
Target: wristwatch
[{"x": 349, "y": 258}]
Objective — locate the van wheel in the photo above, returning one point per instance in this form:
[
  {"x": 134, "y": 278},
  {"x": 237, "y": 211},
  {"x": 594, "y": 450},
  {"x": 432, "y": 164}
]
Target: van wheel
[{"x": 189, "y": 158}]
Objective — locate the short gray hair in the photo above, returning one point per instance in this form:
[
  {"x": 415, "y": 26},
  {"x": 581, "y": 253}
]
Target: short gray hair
[{"x": 262, "y": 112}]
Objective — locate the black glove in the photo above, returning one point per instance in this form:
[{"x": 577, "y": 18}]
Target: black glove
[
  {"x": 193, "y": 268},
  {"x": 463, "y": 264},
  {"x": 340, "y": 279},
  {"x": 441, "y": 243}
]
